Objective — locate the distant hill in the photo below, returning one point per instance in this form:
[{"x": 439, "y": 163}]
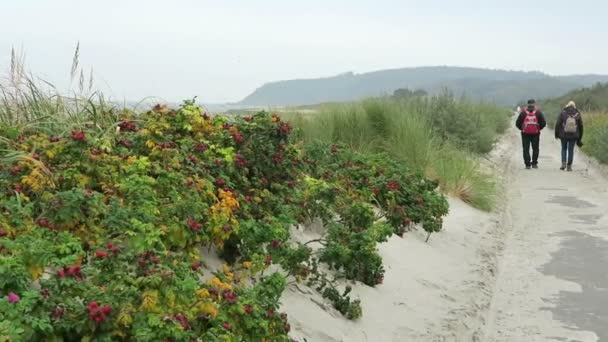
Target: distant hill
[
  {"x": 500, "y": 86},
  {"x": 593, "y": 98}
]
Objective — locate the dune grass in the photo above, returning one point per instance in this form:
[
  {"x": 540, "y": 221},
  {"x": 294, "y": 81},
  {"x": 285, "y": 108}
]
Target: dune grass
[
  {"x": 29, "y": 102},
  {"x": 440, "y": 136},
  {"x": 596, "y": 135}
]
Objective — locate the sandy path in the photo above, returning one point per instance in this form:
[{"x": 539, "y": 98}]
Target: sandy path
[{"x": 552, "y": 283}]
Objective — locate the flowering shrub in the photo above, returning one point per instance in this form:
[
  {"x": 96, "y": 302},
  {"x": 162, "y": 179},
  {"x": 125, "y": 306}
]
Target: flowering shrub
[{"x": 101, "y": 230}]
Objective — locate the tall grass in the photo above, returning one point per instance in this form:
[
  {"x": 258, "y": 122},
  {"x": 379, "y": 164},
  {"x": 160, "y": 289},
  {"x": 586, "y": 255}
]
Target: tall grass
[
  {"x": 596, "y": 136},
  {"x": 439, "y": 136},
  {"x": 27, "y": 102}
]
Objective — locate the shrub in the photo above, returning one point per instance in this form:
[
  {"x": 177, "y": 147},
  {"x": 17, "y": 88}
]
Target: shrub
[{"x": 102, "y": 227}]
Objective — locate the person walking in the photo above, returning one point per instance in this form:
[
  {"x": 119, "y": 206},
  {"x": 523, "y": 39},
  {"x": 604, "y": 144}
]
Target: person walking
[
  {"x": 531, "y": 122},
  {"x": 569, "y": 129}
]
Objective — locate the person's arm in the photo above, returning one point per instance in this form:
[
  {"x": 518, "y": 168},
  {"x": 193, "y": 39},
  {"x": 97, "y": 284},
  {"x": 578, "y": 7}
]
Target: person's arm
[
  {"x": 520, "y": 120},
  {"x": 558, "y": 125},
  {"x": 542, "y": 123}
]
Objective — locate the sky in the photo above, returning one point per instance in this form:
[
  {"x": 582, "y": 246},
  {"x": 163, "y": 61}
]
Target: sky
[{"x": 221, "y": 51}]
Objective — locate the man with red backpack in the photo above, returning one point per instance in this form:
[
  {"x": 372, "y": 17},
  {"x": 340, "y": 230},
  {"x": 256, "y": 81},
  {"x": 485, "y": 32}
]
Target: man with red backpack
[{"x": 530, "y": 122}]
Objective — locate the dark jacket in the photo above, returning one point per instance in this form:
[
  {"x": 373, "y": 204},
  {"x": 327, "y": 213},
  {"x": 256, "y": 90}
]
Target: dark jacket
[
  {"x": 561, "y": 121},
  {"x": 542, "y": 123}
]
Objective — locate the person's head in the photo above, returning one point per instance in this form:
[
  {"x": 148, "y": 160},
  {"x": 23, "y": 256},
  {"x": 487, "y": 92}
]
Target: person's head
[
  {"x": 531, "y": 104},
  {"x": 571, "y": 104}
]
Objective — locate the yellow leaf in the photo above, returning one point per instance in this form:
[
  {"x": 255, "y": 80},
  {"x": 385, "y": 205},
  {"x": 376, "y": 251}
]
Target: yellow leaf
[
  {"x": 50, "y": 154},
  {"x": 150, "y": 301},
  {"x": 124, "y": 317},
  {"x": 171, "y": 298},
  {"x": 202, "y": 293},
  {"x": 35, "y": 271},
  {"x": 209, "y": 309}
]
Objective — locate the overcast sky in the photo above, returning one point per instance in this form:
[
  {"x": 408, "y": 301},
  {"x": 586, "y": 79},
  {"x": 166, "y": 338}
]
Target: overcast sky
[{"x": 223, "y": 50}]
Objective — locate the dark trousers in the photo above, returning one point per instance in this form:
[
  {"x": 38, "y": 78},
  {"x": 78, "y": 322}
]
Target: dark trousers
[
  {"x": 568, "y": 150},
  {"x": 527, "y": 140}
]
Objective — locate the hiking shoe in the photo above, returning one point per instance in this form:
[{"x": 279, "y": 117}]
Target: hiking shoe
[
  {"x": 535, "y": 166},
  {"x": 569, "y": 168},
  {"x": 563, "y": 167},
  {"x": 528, "y": 167}
]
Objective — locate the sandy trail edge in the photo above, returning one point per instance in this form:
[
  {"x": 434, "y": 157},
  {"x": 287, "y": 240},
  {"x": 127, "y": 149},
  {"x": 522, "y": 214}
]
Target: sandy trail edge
[
  {"x": 440, "y": 291},
  {"x": 536, "y": 265}
]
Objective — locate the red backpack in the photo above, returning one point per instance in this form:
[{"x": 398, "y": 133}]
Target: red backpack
[{"x": 530, "y": 125}]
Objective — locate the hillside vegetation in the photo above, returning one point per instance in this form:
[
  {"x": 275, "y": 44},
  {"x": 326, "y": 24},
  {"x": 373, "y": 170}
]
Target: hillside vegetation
[
  {"x": 590, "y": 99},
  {"x": 501, "y": 87}
]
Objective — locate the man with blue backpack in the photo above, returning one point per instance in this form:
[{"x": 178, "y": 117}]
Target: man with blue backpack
[{"x": 531, "y": 122}]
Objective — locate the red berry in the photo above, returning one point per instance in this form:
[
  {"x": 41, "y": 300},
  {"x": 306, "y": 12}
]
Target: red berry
[
  {"x": 227, "y": 326},
  {"x": 15, "y": 171},
  {"x": 74, "y": 271},
  {"x": 284, "y": 129},
  {"x": 101, "y": 254},
  {"x": 192, "y": 159},
  {"x": 58, "y": 313},
  {"x": 79, "y": 136},
  {"x": 229, "y": 296},
  {"x": 193, "y": 225},
  {"x": 200, "y": 147},
  {"x": 248, "y": 308},
  {"x": 126, "y": 143},
  {"x": 128, "y": 126},
  {"x": 3, "y": 233},
  {"x": 393, "y": 185},
  {"x": 219, "y": 182}
]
